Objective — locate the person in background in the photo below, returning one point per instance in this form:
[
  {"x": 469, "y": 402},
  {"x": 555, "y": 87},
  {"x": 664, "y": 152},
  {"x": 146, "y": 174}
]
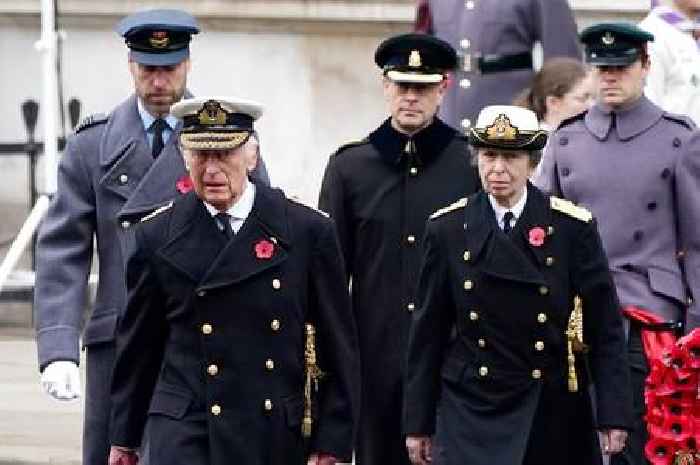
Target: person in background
[
  {"x": 499, "y": 43},
  {"x": 673, "y": 82},
  {"x": 560, "y": 90},
  {"x": 636, "y": 167},
  {"x": 380, "y": 192},
  {"x": 116, "y": 168}
]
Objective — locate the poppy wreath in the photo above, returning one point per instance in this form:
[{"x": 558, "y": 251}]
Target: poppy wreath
[{"x": 672, "y": 396}]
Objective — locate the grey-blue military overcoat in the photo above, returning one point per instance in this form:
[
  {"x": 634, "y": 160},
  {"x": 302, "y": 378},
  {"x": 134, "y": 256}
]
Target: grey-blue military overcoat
[{"x": 640, "y": 176}]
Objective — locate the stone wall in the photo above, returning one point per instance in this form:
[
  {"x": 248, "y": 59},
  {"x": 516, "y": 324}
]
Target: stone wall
[{"x": 309, "y": 62}]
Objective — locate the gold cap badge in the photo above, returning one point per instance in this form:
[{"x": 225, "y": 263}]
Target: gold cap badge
[
  {"x": 159, "y": 39},
  {"x": 501, "y": 129},
  {"x": 414, "y": 60},
  {"x": 212, "y": 114},
  {"x": 608, "y": 38}
]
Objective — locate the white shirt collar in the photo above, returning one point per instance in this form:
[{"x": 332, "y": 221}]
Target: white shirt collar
[
  {"x": 516, "y": 209},
  {"x": 240, "y": 210}
]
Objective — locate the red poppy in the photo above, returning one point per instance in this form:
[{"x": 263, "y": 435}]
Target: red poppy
[
  {"x": 536, "y": 236},
  {"x": 660, "y": 451},
  {"x": 677, "y": 428},
  {"x": 264, "y": 249},
  {"x": 184, "y": 184},
  {"x": 691, "y": 344}
]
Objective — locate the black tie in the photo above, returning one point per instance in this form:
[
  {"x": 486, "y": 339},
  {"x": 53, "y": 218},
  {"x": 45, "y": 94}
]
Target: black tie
[
  {"x": 224, "y": 220},
  {"x": 507, "y": 218},
  {"x": 158, "y": 126}
]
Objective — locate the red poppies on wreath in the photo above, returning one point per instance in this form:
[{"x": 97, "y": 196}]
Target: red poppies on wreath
[
  {"x": 536, "y": 236},
  {"x": 184, "y": 184},
  {"x": 264, "y": 249},
  {"x": 672, "y": 397}
]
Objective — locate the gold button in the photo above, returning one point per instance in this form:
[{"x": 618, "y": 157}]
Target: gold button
[
  {"x": 411, "y": 307},
  {"x": 690, "y": 301},
  {"x": 413, "y": 171},
  {"x": 473, "y": 316},
  {"x": 466, "y": 123},
  {"x": 544, "y": 290},
  {"x": 125, "y": 224},
  {"x": 468, "y": 285},
  {"x": 201, "y": 293},
  {"x": 411, "y": 239},
  {"x": 539, "y": 346},
  {"x": 213, "y": 370},
  {"x": 276, "y": 283},
  {"x": 123, "y": 179},
  {"x": 273, "y": 239},
  {"x": 536, "y": 374},
  {"x": 268, "y": 405},
  {"x": 482, "y": 343},
  {"x": 549, "y": 261},
  {"x": 550, "y": 230},
  {"x": 483, "y": 371},
  {"x": 465, "y": 43},
  {"x": 270, "y": 364},
  {"x": 542, "y": 318},
  {"x": 216, "y": 410},
  {"x": 465, "y": 83},
  {"x": 469, "y": 4},
  {"x": 467, "y": 255},
  {"x": 207, "y": 328},
  {"x": 275, "y": 325}
]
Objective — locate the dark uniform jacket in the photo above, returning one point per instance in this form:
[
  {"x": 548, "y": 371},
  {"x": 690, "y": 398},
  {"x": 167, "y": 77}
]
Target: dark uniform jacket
[
  {"x": 211, "y": 347},
  {"x": 638, "y": 171},
  {"x": 380, "y": 197},
  {"x": 487, "y": 346},
  {"x": 495, "y": 29},
  {"x": 107, "y": 170}
]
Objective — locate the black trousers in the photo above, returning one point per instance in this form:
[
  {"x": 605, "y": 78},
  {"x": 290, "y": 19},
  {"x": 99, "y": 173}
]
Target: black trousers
[{"x": 639, "y": 369}]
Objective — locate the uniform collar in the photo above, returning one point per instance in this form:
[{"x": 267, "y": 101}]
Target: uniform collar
[
  {"x": 516, "y": 209},
  {"x": 147, "y": 119},
  {"x": 242, "y": 208},
  {"x": 629, "y": 122},
  {"x": 428, "y": 142}
]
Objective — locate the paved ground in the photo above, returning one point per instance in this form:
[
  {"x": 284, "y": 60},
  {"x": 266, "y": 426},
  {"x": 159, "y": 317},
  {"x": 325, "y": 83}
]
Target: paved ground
[{"x": 33, "y": 428}]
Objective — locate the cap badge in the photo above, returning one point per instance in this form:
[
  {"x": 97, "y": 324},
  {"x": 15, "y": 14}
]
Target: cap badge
[
  {"x": 159, "y": 39},
  {"x": 212, "y": 114},
  {"x": 414, "y": 61},
  {"x": 502, "y": 129},
  {"x": 608, "y": 39}
]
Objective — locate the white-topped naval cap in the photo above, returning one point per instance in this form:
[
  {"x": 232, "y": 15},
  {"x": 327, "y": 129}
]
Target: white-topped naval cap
[
  {"x": 507, "y": 127},
  {"x": 521, "y": 118},
  {"x": 230, "y": 104}
]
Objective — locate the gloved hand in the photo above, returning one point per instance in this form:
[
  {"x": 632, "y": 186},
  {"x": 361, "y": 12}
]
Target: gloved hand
[
  {"x": 122, "y": 456},
  {"x": 61, "y": 380}
]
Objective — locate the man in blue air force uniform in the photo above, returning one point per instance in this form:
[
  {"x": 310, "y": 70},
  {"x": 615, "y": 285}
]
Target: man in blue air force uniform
[{"x": 124, "y": 163}]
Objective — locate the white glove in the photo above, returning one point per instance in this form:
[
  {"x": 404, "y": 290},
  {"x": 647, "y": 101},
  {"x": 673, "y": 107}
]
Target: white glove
[{"x": 61, "y": 380}]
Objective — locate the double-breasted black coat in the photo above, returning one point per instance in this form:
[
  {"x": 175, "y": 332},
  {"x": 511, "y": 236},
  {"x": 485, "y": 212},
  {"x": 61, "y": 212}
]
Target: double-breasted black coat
[
  {"x": 487, "y": 347},
  {"x": 380, "y": 195},
  {"x": 211, "y": 347}
]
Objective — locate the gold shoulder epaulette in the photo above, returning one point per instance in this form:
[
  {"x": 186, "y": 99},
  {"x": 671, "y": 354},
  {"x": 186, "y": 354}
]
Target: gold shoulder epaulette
[
  {"x": 571, "y": 209},
  {"x": 157, "y": 212},
  {"x": 461, "y": 203},
  {"x": 299, "y": 202}
]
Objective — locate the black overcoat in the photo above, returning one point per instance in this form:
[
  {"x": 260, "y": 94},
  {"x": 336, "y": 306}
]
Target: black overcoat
[
  {"x": 380, "y": 197},
  {"x": 499, "y": 381},
  {"x": 211, "y": 348}
]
